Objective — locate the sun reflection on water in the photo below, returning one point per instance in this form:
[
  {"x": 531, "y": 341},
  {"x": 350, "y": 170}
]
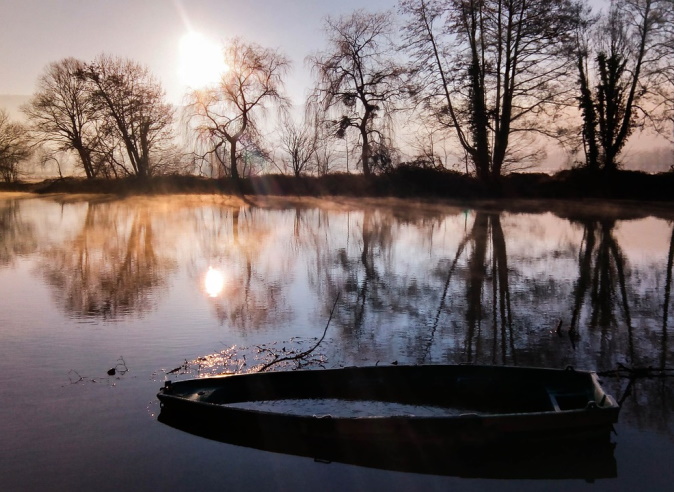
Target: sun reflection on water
[{"x": 214, "y": 282}]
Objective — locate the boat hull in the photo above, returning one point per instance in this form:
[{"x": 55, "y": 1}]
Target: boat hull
[{"x": 501, "y": 406}]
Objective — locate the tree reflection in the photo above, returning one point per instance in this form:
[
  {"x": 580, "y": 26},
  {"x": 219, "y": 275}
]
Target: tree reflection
[
  {"x": 357, "y": 253},
  {"x": 375, "y": 237},
  {"x": 17, "y": 237},
  {"x": 443, "y": 299},
  {"x": 665, "y": 309},
  {"x": 110, "y": 268},
  {"x": 421, "y": 287},
  {"x": 256, "y": 278},
  {"x": 367, "y": 264},
  {"x": 352, "y": 266},
  {"x": 487, "y": 230},
  {"x": 620, "y": 324},
  {"x": 370, "y": 268},
  {"x": 602, "y": 276}
]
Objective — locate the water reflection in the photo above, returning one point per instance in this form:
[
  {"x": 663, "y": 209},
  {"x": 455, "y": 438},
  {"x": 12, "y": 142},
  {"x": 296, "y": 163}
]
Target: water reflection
[
  {"x": 214, "y": 282},
  {"x": 17, "y": 236},
  {"x": 419, "y": 283},
  {"x": 589, "y": 461},
  {"x": 255, "y": 263},
  {"x": 429, "y": 284},
  {"x": 667, "y": 293},
  {"x": 487, "y": 231},
  {"x": 601, "y": 272},
  {"x": 109, "y": 268},
  {"x": 365, "y": 269}
]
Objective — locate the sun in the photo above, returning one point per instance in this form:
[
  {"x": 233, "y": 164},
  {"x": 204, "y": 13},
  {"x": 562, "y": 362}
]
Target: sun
[{"x": 201, "y": 61}]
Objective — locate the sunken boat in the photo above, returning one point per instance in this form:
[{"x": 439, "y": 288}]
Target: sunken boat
[{"x": 389, "y": 413}]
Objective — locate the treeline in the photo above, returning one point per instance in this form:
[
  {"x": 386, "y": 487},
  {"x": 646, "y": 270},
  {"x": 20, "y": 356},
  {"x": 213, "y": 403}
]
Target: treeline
[{"x": 476, "y": 85}]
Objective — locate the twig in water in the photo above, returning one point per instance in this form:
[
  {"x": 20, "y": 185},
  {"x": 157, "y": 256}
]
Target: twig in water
[
  {"x": 306, "y": 352},
  {"x": 627, "y": 392},
  {"x": 79, "y": 377},
  {"x": 179, "y": 368},
  {"x": 119, "y": 370},
  {"x": 638, "y": 372}
]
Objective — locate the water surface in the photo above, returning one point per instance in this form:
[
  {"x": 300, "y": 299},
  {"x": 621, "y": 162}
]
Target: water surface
[{"x": 185, "y": 286}]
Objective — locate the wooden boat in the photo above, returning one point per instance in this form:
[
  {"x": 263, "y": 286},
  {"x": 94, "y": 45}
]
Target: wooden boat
[{"x": 423, "y": 408}]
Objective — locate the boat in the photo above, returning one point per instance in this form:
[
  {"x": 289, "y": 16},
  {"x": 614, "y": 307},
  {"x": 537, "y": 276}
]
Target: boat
[{"x": 425, "y": 410}]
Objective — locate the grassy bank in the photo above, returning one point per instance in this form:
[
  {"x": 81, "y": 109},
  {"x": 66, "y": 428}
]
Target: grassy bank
[{"x": 404, "y": 182}]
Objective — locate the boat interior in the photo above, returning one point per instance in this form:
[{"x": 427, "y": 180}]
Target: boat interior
[{"x": 480, "y": 389}]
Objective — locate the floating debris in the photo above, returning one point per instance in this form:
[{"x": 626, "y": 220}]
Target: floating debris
[
  {"x": 118, "y": 370},
  {"x": 286, "y": 354},
  {"x": 291, "y": 355}
]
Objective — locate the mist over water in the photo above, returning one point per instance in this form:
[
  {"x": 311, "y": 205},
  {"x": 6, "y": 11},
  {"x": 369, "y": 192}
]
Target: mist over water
[{"x": 146, "y": 285}]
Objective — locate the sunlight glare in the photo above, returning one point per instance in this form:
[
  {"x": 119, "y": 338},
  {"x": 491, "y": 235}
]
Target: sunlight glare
[
  {"x": 214, "y": 282},
  {"x": 201, "y": 61}
]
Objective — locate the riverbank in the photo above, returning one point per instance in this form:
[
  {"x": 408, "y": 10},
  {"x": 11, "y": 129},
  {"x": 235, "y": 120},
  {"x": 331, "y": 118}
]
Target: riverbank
[{"x": 405, "y": 182}]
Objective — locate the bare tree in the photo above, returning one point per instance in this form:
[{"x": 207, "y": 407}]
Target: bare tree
[
  {"x": 430, "y": 144},
  {"x": 665, "y": 77},
  {"x": 133, "y": 110},
  {"x": 360, "y": 80},
  {"x": 111, "y": 113},
  {"x": 226, "y": 113},
  {"x": 492, "y": 71},
  {"x": 14, "y": 147},
  {"x": 324, "y": 159},
  {"x": 325, "y": 154},
  {"x": 61, "y": 112},
  {"x": 616, "y": 75},
  {"x": 253, "y": 155},
  {"x": 299, "y": 142}
]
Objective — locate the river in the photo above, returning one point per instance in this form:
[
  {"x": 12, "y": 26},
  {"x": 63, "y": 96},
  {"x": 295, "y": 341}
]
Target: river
[{"x": 102, "y": 299}]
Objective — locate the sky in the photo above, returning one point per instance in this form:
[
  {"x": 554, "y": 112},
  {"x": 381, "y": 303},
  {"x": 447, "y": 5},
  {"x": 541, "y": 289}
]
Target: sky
[{"x": 34, "y": 33}]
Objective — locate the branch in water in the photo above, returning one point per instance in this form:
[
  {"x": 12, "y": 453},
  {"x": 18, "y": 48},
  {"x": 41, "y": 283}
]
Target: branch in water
[
  {"x": 306, "y": 352},
  {"x": 638, "y": 372}
]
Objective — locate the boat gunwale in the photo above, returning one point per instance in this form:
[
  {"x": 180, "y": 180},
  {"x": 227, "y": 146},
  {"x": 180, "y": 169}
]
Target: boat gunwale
[{"x": 608, "y": 407}]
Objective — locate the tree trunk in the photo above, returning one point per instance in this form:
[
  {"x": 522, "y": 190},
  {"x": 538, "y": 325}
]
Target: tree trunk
[
  {"x": 232, "y": 160},
  {"x": 480, "y": 123},
  {"x": 589, "y": 115},
  {"x": 85, "y": 157},
  {"x": 479, "y": 117},
  {"x": 144, "y": 162},
  {"x": 365, "y": 153}
]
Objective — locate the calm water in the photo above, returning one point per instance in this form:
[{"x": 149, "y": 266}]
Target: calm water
[{"x": 199, "y": 285}]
